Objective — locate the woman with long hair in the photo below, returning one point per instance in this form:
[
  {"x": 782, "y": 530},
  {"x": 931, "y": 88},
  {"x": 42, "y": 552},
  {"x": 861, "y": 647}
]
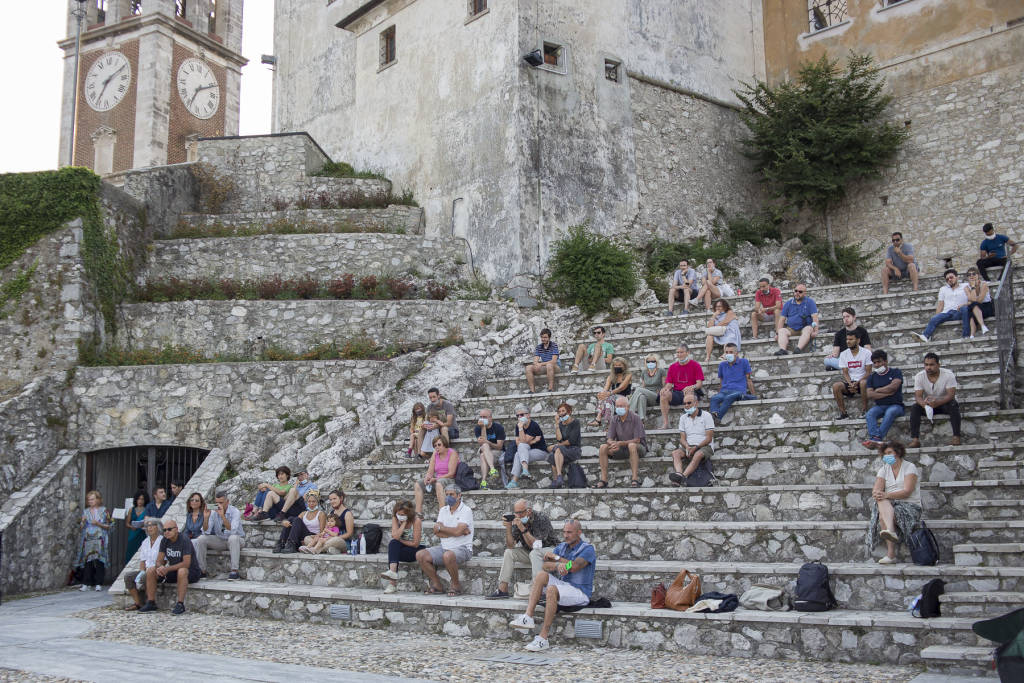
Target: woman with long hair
[
  {"x": 133, "y": 520},
  {"x": 94, "y": 542}
]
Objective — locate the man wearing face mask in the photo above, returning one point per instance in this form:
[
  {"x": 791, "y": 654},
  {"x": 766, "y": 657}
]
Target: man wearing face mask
[
  {"x": 528, "y": 538},
  {"x": 737, "y": 382},
  {"x": 490, "y": 436},
  {"x": 697, "y": 437},
  {"x": 454, "y": 527},
  {"x": 682, "y": 375},
  {"x": 530, "y": 446},
  {"x": 626, "y": 438},
  {"x": 885, "y": 388}
]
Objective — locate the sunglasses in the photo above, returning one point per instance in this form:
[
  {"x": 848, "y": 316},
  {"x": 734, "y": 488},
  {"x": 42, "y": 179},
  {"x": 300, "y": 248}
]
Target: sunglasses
[
  {"x": 170, "y": 528},
  {"x": 801, "y": 291},
  {"x": 521, "y": 414}
]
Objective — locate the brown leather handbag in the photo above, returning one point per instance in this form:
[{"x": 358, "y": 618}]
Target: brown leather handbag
[
  {"x": 658, "y": 596},
  {"x": 681, "y": 597}
]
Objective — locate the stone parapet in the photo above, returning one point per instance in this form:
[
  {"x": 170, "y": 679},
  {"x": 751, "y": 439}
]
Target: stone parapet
[
  {"x": 31, "y": 431},
  {"x": 396, "y": 218}
]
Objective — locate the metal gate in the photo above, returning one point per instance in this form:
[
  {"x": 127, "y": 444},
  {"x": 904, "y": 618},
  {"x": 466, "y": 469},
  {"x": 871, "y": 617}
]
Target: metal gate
[{"x": 117, "y": 473}]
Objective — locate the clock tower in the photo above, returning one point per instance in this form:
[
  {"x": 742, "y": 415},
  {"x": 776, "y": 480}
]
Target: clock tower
[{"x": 154, "y": 76}]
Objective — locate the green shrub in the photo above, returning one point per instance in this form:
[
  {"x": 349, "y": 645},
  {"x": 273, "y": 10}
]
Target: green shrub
[
  {"x": 589, "y": 270},
  {"x": 850, "y": 265},
  {"x": 740, "y": 228},
  {"x": 340, "y": 169},
  {"x": 14, "y": 288}
]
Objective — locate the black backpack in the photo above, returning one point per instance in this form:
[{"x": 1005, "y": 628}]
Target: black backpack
[
  {"x": 813, "y": 594},
  {"x": 924, "y": 550},
  {"x": 464, "y": 478},
  {"x": 702, "y": 476},
  {"x": 926, "y": 605},
  {"x": 575, "y": 477},
  {"x": 373, "y": 535}
]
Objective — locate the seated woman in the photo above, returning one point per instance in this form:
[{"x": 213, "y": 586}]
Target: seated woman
[
  {"x": 406, "y": 531},
  {"x": 133, "y": 520},
  {"x": 710, "y": 279},
  {"x": 566, "y": 448},
  {"x": 273, "y": 495},
  {"x": 618, "y": 383},
  {"x": 415, "y": 422},
  {"x": 724, "y": 317},
  {"x": 314, "y": 544},
  {"x": 652, "y": 379},
  {"x": 135, "y": 582},
  {"x": 440, "y": 470},
  {"x": 309, "y": 523},
  {"x": 346, "y": 522},
  {"x": 979, "y": 302},
  {"x": 897, "y": 497},
  {"x": 197, "y": 516}
]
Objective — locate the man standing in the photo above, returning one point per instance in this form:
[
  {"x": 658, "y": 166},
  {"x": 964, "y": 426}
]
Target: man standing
[
  {"x": 885, "y": 388},
  {"x": 545, "y": 361},
  {"x": 934, "y": 392},
  {"x": 799, "y": 316},
  {"x": 175, "y": 563},
  {"x": 681, "y": 375},
  {"x": 839, "y": 340},
  {"x": 684, "y": 282},
  {"x": 454, "y": 527},
  {"x": 855, "y": 362},
  {"x": 626, "y": 439},
  {"x": 176, "y": 487},
  {"x": 158, "y": 506},
  {"x": 224, "y": 532},
  {"x": 899, "y": 263},
  {"x": 528, "y": 538},
  {"x": 697, "y": 437},
  {"x": 596, "y": 356},
  {"x": 737, "y": 382},
  {"x": 993, "y": 250},
  {"x": 490, "y": 437},
  {"x": 567, "y": 580},
  {"x": 952, "y": 304},
  {"x": 767, "y": 306}
]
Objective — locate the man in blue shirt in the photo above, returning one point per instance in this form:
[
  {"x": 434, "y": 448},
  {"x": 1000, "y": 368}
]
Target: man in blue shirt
[
  {"x": 993, "y": 250},
  {"x": 737, "y": 383},
  {"x": 885, "y": 388},
  {"x": 567, "y": 581},
  {"x": 799, "y": 316},
  {"x": 158, "y": 506},
  {"x": 545, "y": 361}
]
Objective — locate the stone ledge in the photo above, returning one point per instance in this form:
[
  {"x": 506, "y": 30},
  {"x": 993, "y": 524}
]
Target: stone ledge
[
  {"x": 958, "y": 653},
  {"x": 394, "y": 218}
]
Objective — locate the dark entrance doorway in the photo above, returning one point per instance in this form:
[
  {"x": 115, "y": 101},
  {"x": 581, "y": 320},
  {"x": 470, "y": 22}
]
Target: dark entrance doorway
[{"x": 117, "y": 473}]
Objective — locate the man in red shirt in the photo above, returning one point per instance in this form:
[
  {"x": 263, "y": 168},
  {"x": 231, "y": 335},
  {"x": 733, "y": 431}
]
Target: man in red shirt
[
  {"x": 684, "y": 376},
  {"x": 767, "y": 304}
]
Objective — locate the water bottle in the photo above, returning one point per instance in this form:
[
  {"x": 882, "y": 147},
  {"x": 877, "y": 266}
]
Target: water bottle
[
  {"x": 362, "y": 544},
  {"x": 352, "y": 547}
]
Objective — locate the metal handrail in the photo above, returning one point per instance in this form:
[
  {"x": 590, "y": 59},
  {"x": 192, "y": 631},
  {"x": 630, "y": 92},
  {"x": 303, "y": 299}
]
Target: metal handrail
[{"x": 1006, "y": 336}]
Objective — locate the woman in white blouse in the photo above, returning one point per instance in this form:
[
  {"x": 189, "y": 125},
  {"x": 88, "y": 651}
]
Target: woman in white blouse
[
  {"x": 135, "y": 583},
  {"x": 897, "y": 496}
]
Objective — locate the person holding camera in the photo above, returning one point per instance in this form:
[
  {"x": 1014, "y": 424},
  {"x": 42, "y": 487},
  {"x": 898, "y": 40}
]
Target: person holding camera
[
  {"x": 528, "y": 537},
  {"x": 223, "y": 532}
]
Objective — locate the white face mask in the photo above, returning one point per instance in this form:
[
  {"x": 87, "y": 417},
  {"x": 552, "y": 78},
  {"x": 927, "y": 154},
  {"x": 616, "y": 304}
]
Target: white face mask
[
  {"x": 483, "y": 421},
  {"x": 882, "y": 370},
  {"x": 524, "y": 419},
  {"x": 651, "y": 365},
  {"x": 730, "y": 357},
  {"x": 401, "y": 518}
]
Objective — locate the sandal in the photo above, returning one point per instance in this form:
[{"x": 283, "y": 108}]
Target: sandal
[
  {"x": 594, "y": 423},
  {"x": 601, "y": 484},
  {"x": 634, "y": 483},
  {"x": 131, "y": 608},
  {"x": 452, "y": 592},
  {"x": 433, "y": 591}
]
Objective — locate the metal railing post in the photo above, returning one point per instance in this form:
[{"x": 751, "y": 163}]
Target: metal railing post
[{"x": 1006, "y": 337}]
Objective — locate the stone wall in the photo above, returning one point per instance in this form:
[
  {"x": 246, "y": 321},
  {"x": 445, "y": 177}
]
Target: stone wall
[
  {"x": 167, "y": 192},
  {"x": 394, "y": 218},
  {"x": 39, "y": 548},
  {"x": 31, "y": 429},
  {"x": 246, "y": 327}
]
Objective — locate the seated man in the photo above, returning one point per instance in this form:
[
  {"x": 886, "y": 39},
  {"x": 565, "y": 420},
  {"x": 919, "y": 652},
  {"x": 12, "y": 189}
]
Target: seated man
[
  {"x": 952, "y": 305},
  {"x": 225, "y": 532},
  {"x": 899, "y": 263},
  {"x": 444, "y": 408},
  {"x": 626, "y": 439},
  {"x": 799, "y": 316},
  {"x": 529, "y": 446},
  {"x": 528, "y": 538},
  {"x": 697, "y": 437},
  {"x": 158, "y": 506},
  {"x": 682, "y": 284},
  {"x": 767, "y": 306},
  {"x": 934, "y": 392},
  {"x": 176, "y": 487},
  {"x": 839, "y": 340},
  {"x": 993, "y": 250},
  {"x": 454, "y": 527},
  {"x": 596, "y": 356},
  {"x": 303, "y": 485},
  {"x": 175, "y": 563},
  {"x": 885, "y": 388},
  {"x": 490, "y": 437},
  {"x": 545, "y": 361},
  {"x": 567, "y": 580},
  {"x": 681, "y": 376},
  {"x": 855, "y": 362},
  {"x": 737, "y": 382}
]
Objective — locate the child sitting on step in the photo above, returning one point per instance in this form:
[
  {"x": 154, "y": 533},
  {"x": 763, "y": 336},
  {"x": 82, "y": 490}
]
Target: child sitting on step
[{"x": 314, "y": 544}]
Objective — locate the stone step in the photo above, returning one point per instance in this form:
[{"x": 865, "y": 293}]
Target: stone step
[
  {"x": 395, "y": 218},
  {"x": 838, "y": 635},
  {"x": 996, "y": 509},
  {"x": 664, "y": 502},
  {"x": 960, "y": 660},
  {"x": 980, "y": 604},
  {"x": 322, "y": 256},
  {"x": 798, "y": 540},
  {"x": 989, "y": 554},
  {"x": 858, "y": 586}
]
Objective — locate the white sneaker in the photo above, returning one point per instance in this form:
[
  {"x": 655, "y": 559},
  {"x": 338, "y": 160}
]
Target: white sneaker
[
  {"x": 922, "y": 338},
  {"x": 389, "y": 574},
  {"x": 390, "y": 588},
  {"x": 984, "y": 330},
  {"x": 523, "y": 621},
  {"x": 99, "y": 588},
  {"x": 84, "y": 588},
  {"x": 887, "y": 560},
  {"x": 538, "y": 644}
]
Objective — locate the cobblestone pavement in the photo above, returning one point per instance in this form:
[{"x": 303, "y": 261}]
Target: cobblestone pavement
[
  {"x": 14, "y": 675},
  {"x": 447, "y": 659}
]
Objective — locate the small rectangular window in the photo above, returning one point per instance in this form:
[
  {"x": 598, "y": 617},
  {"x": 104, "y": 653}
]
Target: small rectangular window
[
  {"x": 101, "y": 11},
  {"x": 553, "y": 54},
  {"x": 825, "y": 13},
  {"x": 611, "y": 70},
  {"x": 477, "y": 6},
  {"x": 135, "y": 7},
  {"x": 211, "y": 23},
  {"x": 387, "y": 46}
]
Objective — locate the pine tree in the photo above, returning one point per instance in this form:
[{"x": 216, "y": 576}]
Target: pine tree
[{"x": 810, "y": 138}]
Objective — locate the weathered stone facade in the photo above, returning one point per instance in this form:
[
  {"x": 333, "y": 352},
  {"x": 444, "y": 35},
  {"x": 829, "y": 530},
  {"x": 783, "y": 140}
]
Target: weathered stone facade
[
  {"x": 31, "y": 431},
  {"x": 395, "y": 218}
]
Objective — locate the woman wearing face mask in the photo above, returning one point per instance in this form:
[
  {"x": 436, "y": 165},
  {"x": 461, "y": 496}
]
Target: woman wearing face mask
[
  {"x": 566, "y": 448},
  {"x": 618, "y": 383},
  {"x": 724, "y": 329},
  {"x": 415, "y": 422},
  {"x": 897, "y": 497},
  {"x": 406, "y": 530},
  {"x": 652, "y": 380}
]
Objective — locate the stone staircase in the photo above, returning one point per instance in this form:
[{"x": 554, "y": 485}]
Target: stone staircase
[{"x": 792, "y": 485}]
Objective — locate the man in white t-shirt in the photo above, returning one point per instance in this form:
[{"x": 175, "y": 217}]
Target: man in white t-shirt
[
  {"x": 934, "y": 392},
  {"x": 952, "y": 305},
  {"x": 697, "y": 438},
  {"x": 454, "y": 527},
  {"x": 855, "y": 363}
]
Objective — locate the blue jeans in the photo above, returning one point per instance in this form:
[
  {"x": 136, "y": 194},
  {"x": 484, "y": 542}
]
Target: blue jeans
[
  {"x": 831, "y": 363},
  {"x": 261, "y": 496},
  {"x": 888, "y": 415},
  {"x": 723, "y": 400},
  {"x": 939, "y": 318}
]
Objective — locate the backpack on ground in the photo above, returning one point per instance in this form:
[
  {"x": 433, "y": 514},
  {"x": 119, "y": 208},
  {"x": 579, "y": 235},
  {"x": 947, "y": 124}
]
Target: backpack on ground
[
  {"x": 924, "y": 549},
  {"x": 575, "y": 477},
  {"x": 464, "y": 478},
  {"x": 373, "y": 535},
  {"x": 702, "y": 475},
  {"x": 813, "y": 594},
  {"x": 926, "y": 605}
]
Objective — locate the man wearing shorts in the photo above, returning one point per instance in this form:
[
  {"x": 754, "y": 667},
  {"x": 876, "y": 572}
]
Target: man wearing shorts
[
  {"x": 767, "y": 304},
  {"x": 697, "y": 438},
  {"x": 454, "y": 527},
  {"x": 683, "y": 283},
  {"x": 799, "y": 317},
  {"x": 626, "y": 439},
  {"x": 567, "y": 581},
  {"x": 899, "y": 263},
  {"x": 855, "y": 363},
  {"x": 175, "y": 564},
  {"x": 681, "y": 376}
]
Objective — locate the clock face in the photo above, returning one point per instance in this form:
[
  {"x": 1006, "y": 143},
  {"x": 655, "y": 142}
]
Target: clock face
[
  {"x": 107, "y": 81},
  {"x": 198, "y": 88}
]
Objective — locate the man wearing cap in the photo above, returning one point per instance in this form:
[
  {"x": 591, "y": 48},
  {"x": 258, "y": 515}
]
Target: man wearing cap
[
  {"x": 993, "y": 250},
  {"x": 454, "y": 527}
]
